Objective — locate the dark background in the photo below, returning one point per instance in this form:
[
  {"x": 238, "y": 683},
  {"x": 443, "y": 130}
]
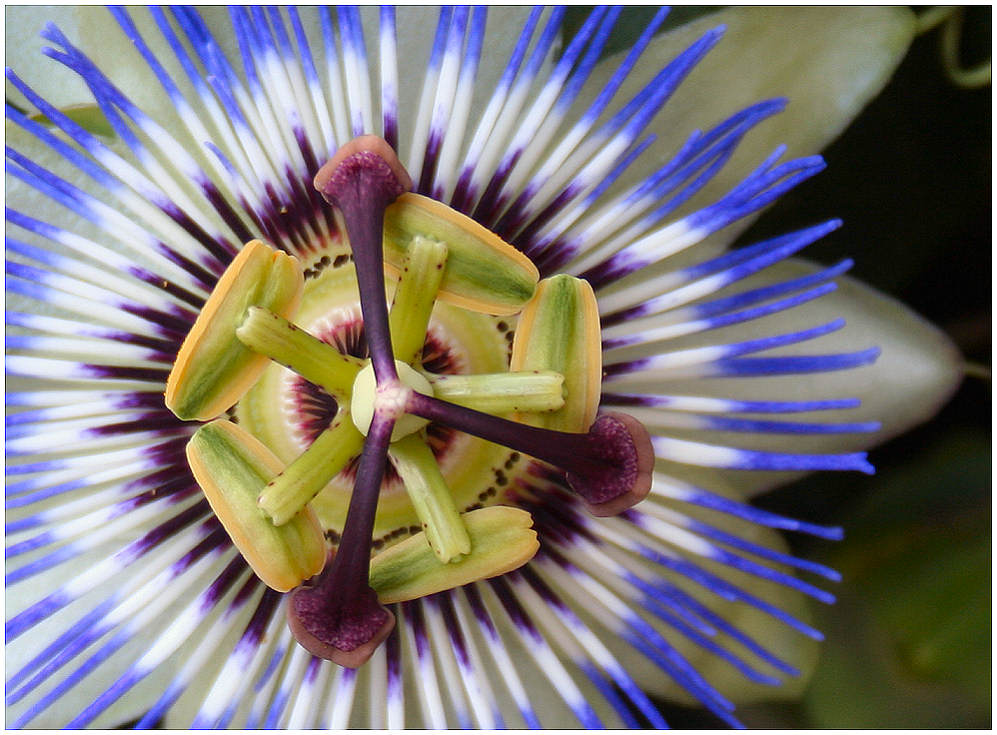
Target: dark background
[{"x": 908, "y": 643}]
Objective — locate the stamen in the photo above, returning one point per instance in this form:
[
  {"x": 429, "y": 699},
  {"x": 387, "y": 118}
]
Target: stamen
[
  {"x": 415, "y": 296},
  {"x": 271, "y": 335},
  {"x": 484, "y": 273},
  {"x": 609, "y": 467},
  {"x": 559, "y": 330},
  {"x": 306, "y": 476},
  {"x": 214, "y": 369},
  {"x": 231, "y": 466},
  {"x": 444, "y": 530},
  {"x": 502, "y": 393},
  {"x": 502, "y": 539}
]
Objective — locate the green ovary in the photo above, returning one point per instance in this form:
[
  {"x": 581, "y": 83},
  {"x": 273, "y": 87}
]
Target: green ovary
[{"x": 476, "y": 471}]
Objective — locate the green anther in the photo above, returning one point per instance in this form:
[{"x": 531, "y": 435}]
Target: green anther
[
  {"x": 431, "y": 498},
  {"x": 502, "y": 539},
  {"x": 213, "y": 369},
  {"x": 271, "y": 335},
  {"x": 415, "y": 297},
  {"x": 502, "y": 393},
  {"x": 306, "y": 476},
  {"x": 232, "y": 466},
  {"x": 559, "y": 330},
  {"x": 483, "y": 272}
]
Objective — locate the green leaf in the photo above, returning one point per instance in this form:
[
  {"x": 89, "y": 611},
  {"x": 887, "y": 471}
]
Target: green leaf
[
  {"x": 88, "y": 117},
  {"x": 909, "y": 643}
]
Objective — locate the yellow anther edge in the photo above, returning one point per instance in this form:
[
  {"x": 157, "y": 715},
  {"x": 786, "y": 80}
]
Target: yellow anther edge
[
  {"x": 213, "y": 369},
  {"x": 502, "y": 539},
  {"x": 483, "y": 273},
  {"x": 232, "y": 467},
  {"x": 559, "y": 330}
]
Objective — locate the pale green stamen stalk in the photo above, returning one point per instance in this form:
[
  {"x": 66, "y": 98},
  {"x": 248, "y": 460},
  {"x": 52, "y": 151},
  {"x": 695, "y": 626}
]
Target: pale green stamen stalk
[
  {"x": 272, "y": 335},
  {"x": 415, "y": 297},
  {"x": 306, "y": 476},
  {"x": 431, "y": 498},
  {"x": 502, "y": 393}
]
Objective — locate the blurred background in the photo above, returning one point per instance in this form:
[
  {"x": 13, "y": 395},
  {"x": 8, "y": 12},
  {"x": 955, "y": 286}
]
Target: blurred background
[{"x": 909, "y": 640}]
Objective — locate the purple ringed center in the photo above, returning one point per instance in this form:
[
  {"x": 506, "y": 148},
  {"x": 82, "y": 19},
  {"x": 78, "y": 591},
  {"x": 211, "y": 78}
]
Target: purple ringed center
[{"x": 312, "y": 409}]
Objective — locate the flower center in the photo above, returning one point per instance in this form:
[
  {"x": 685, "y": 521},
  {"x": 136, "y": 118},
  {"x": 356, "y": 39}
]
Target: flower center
[
  {"x": 287, "y": 412},
  {"x": 383, "y": 404}
]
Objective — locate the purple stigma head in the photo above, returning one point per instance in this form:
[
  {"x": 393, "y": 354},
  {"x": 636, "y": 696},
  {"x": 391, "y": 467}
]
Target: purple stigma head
[
  {"x": 365, "y": 170},
  {"x": 619, "y": 471},
  {"x": 342, "y": 626}
]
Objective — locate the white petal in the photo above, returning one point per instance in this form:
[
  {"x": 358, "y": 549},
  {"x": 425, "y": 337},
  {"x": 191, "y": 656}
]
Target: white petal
[
  {"x": 23, "y": 24},
  {"x": 788, "y": 645}
]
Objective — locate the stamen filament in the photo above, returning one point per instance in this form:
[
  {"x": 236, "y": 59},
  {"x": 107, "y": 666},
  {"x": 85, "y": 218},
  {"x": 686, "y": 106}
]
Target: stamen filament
[
  {"x": 431, "y": 498},
  {"x": 314, "y": 468},
  {"x": 311, "y": 358},
  {"x": 415, "y": 297},
  {"x": 502, "y": 393}
]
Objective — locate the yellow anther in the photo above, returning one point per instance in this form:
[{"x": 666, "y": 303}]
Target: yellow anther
[
  {"x": 559, "y": 330},
  {"x": 502, "y": 539},
  {"x": 214, "y": 369},
  {"x": 232, "y": 467},
  {"x": 483, "y": 272}
]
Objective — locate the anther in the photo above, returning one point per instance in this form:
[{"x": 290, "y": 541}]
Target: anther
[{"x": 213, "y": 369}]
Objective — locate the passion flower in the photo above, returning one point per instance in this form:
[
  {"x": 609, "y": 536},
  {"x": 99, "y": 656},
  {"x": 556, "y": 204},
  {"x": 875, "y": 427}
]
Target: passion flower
[{"x": 128, "y": 595}]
